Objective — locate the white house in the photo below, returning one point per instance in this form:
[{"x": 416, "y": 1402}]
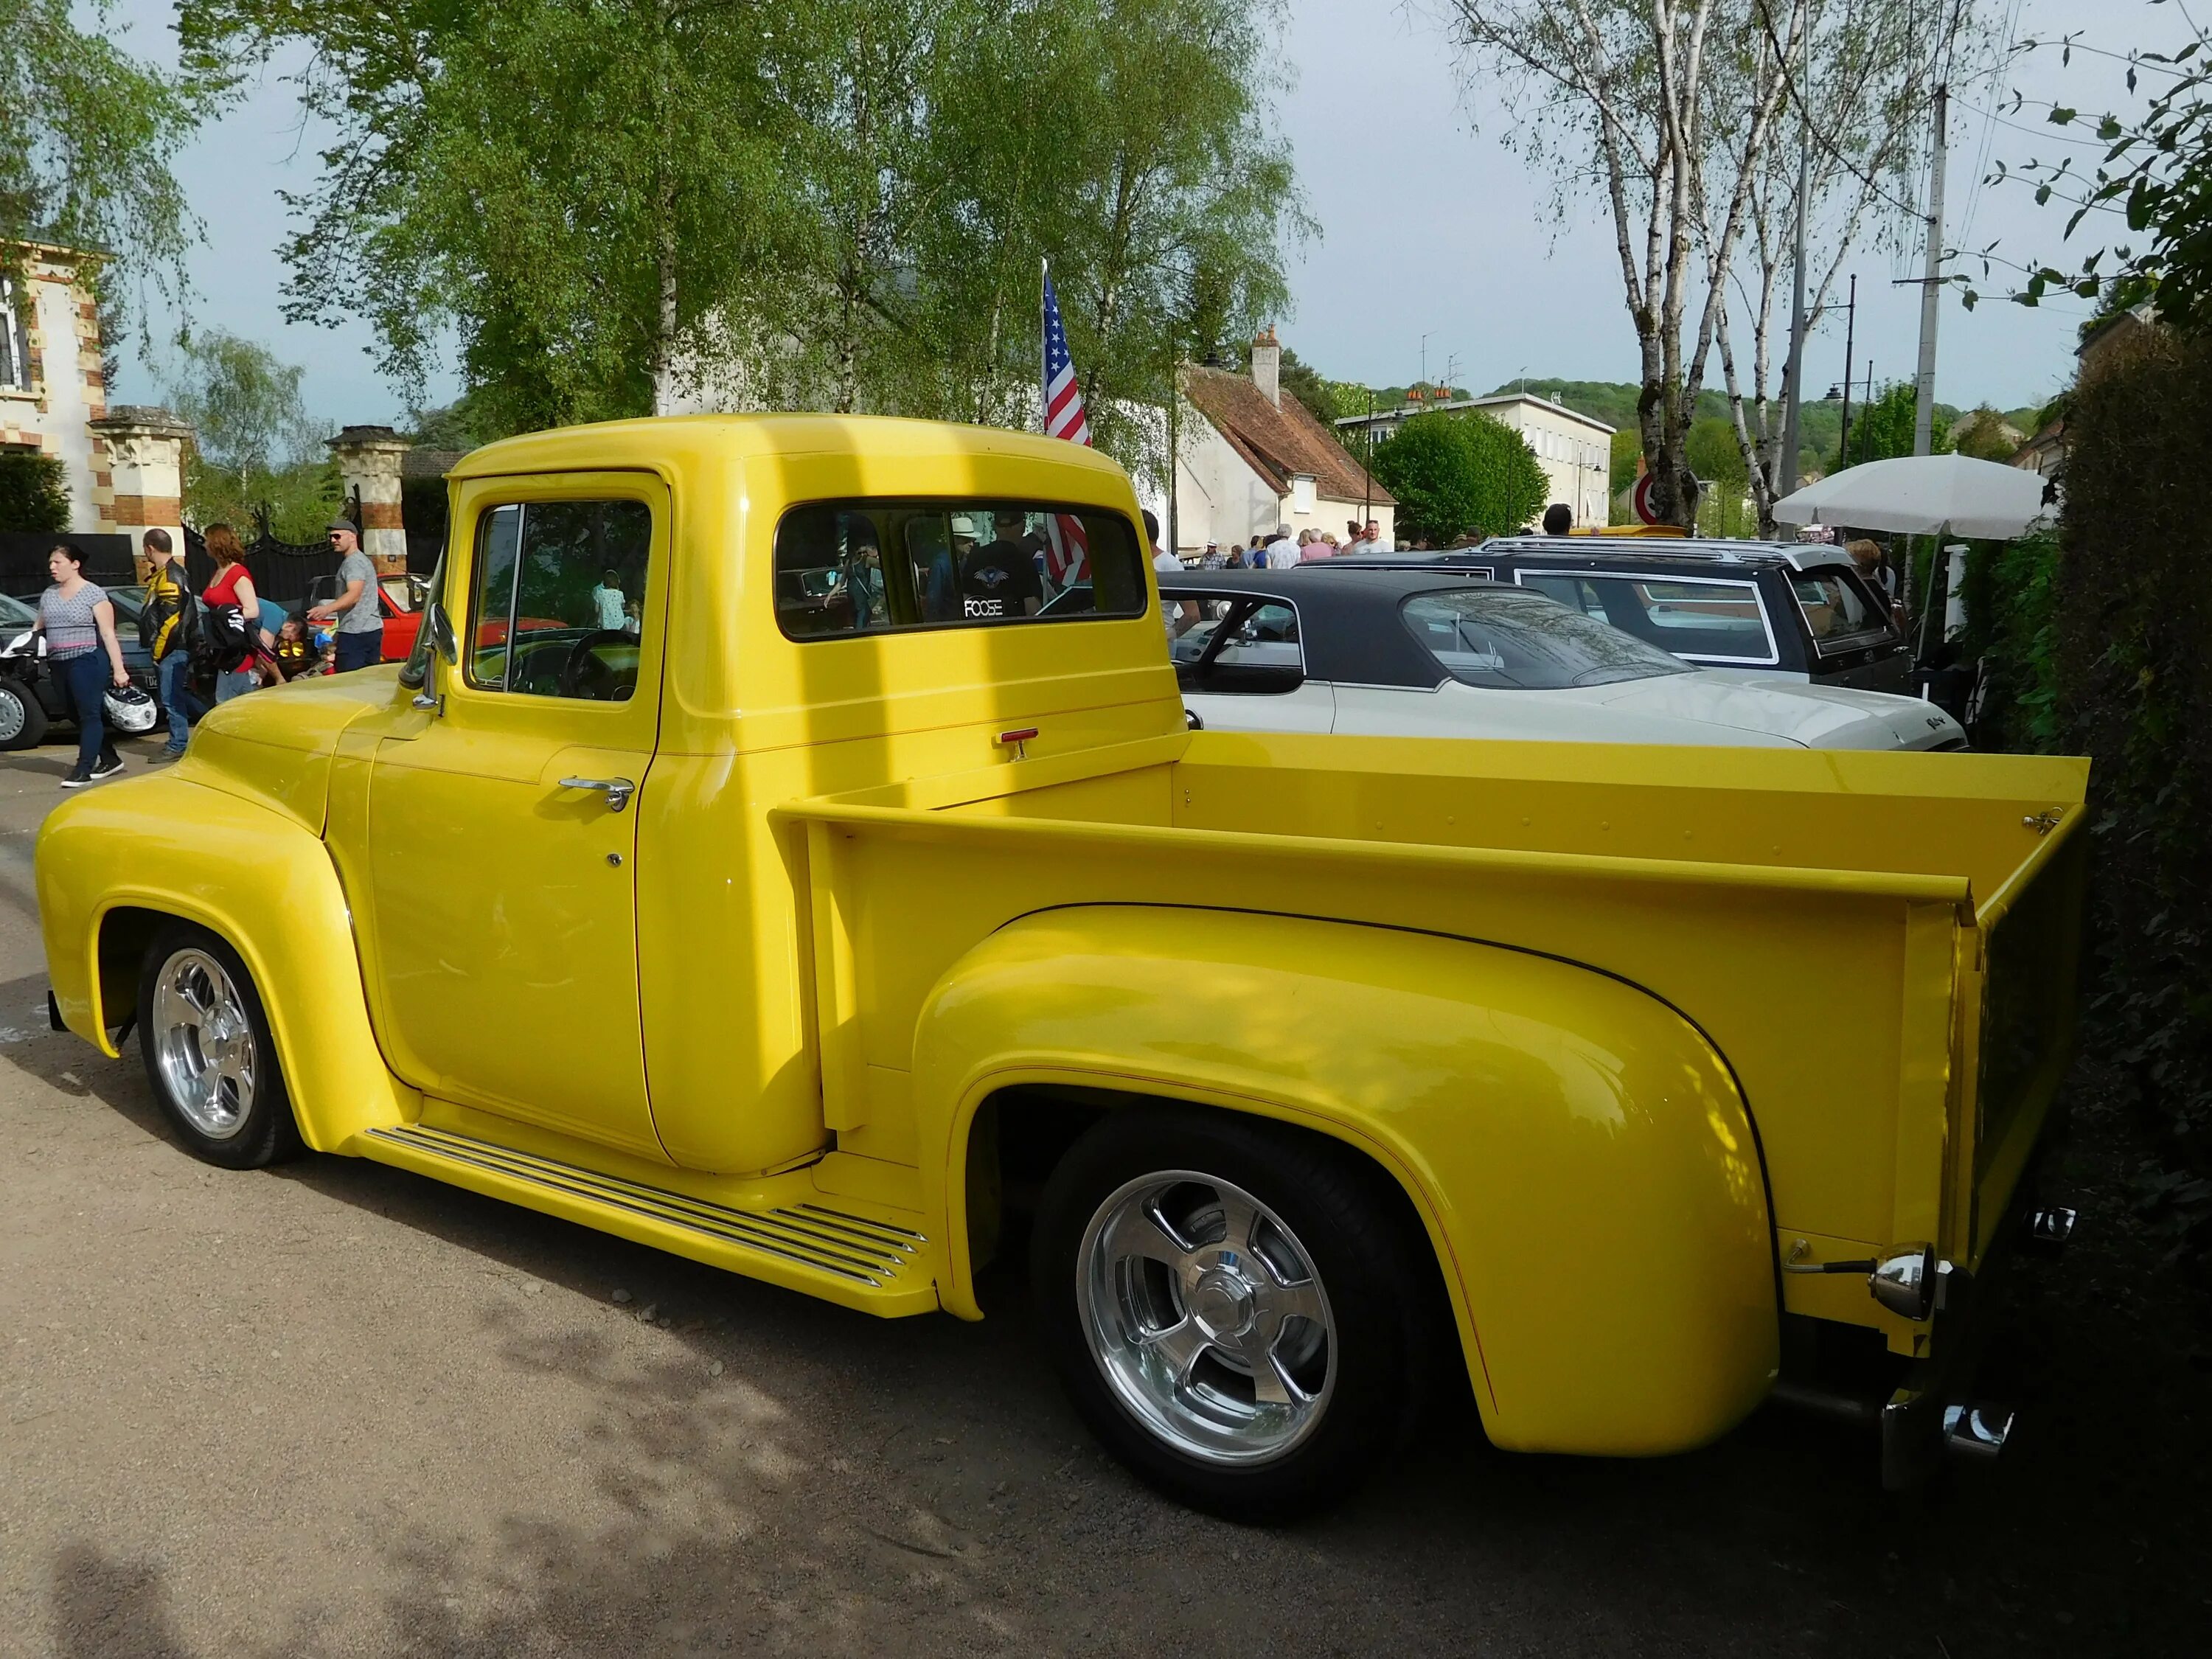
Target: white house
[
  {"x": 51, "y": 387},
  {"x": 1575, "y": 451},
  {"x": 1257, "y": 459}
]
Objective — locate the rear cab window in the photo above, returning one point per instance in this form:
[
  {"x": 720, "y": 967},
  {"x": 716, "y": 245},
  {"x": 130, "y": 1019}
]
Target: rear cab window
[
  {"x": 1713, "y": 619},
  {"x": 874, "y": 566}
]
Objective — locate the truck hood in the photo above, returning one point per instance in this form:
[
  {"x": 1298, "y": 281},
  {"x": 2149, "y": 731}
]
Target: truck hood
[
  {"x": 1818, "y": 716},
  {"x": 275, "y": 745}
]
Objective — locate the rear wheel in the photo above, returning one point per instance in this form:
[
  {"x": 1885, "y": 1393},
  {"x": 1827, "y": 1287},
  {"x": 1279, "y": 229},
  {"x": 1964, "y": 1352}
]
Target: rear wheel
[
  {"x": 1237, "y": 1311},
  {"x": 209, "y": 1053},
  {"x": 22, "y": 721}
]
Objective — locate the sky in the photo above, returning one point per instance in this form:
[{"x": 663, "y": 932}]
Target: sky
[{"x": 1437, "y": 246}]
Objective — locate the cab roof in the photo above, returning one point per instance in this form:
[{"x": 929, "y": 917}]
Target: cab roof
[{"x": 655, "y": 440}]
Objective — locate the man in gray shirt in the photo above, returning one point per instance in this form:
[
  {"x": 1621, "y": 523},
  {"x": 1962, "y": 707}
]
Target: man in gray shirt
[{"x": 359, "y": 611}]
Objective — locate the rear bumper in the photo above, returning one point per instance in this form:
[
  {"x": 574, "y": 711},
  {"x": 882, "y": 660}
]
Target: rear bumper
[{"x": 1931, "y": 1412}]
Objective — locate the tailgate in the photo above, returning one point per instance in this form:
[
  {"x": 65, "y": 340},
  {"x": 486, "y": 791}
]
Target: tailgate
[{"x": 2017, "y": 1030}]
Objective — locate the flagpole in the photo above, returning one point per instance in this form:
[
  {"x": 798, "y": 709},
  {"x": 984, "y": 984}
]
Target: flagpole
[{"x": 1044, "y": 390}]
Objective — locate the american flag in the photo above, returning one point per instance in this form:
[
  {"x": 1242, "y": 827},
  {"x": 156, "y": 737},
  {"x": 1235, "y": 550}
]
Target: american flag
[
  {"x": 1063, "y": 396},
  {"x": 1067, "y": 550}
]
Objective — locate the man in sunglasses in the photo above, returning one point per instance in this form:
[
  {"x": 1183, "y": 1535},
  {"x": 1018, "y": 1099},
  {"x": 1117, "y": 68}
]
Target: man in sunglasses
[{"x": 358, "y": 612}]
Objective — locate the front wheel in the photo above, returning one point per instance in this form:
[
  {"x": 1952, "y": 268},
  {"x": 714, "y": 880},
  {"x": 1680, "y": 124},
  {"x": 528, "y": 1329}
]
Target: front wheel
[
  {"x": 22, "y": 720},
  {"x": 1236, "y": 1310},
  {"x": 209, "y": 1053}
]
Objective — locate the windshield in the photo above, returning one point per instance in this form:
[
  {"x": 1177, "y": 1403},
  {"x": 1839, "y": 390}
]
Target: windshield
[
  {"x": 14, "y": 613},
  {"x": 1510, "y": 641}
]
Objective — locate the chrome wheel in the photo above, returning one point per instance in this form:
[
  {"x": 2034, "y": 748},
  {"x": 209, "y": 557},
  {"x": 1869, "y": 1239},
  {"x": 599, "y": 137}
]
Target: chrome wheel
[
  {"x": 12, "y": 713},
  {"x": 1207, "y": 1318},
  {"x": 203, "y": 1044}
]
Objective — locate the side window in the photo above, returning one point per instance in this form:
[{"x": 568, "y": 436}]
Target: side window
[
  {"x": 881, "y": 566},
  {"x": 1836, "y": 608},
  {"x": 1240, "y": 646},
  {"x": 1722, "y": 621},
  {"x": 1570, "y": 591},
  {"x": 560, "y": 587}
]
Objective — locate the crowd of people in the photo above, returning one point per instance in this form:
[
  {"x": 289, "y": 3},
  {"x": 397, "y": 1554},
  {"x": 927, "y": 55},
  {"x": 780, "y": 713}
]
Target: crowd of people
[
  {"x": 227, "y": 639},
  {"x": 1282, "y": 549}
]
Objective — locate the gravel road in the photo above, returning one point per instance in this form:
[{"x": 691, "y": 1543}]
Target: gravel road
[{"x": 338, "y": 1409}]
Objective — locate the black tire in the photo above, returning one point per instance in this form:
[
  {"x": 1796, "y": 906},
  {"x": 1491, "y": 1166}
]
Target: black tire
[
  {"x": 1378, "y": 1275},
  {"x": 265, "y": 1132},
  {"x": 21, "y": 718}
]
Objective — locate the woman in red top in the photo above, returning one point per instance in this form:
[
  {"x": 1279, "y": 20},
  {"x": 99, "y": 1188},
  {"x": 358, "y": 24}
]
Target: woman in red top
[{"x": 232, "y": 586}]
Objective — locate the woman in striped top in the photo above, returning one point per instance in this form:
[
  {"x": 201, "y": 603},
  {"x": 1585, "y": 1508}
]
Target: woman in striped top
[{"x": 79, "y": 623}]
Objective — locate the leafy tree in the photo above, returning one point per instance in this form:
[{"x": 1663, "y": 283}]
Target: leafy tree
[
  {"x": 33, "y": 493},
  {"x": 86, "y": 136},
  {"x": 1460, "y": 474},
  {"x": 567, "y": 184},
  {"x": 465, "y": 423},
  {"x": 1883, "y": 428},
  {"x": 1984, "y": 435},
  {"x": 1627, "y": 451},
  {"x": 254, "y": 450},
  {"x": 620, "y": 205},
  {"x": 2155, "y": 170},
  {"x": 1717, "y": 459}
]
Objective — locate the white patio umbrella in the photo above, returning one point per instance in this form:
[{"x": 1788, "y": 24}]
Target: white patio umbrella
[{"x": 1921, "y": 496}]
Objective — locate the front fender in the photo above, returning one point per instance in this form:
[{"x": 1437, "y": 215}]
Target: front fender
[
  {"x": 1580, "y": 1156},
  {"x": 256, "y": 877}
]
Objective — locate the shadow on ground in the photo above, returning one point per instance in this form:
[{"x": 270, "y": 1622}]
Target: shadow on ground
[{"x": 920, "y": 1485}]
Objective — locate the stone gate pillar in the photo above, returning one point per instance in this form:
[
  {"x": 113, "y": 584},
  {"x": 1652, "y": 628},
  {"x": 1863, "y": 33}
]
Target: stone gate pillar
[
  {"x": 146, "y": 472},
  {"x": 369, "y": 457}
]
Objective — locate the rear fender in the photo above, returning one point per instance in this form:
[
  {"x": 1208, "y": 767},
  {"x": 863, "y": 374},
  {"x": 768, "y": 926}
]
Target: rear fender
[
  {"x": 250, "y": 874},
  {"x": 1585, "y": 1168}
]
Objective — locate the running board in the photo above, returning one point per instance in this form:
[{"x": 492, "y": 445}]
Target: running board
[{"x": 858, "y": 1260}]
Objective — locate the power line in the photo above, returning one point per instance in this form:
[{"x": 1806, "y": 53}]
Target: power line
[
  {"x": 2033, "y": 132},
  {"x": 1790, "y": 90},
  {"x": 1988, "y": 133}
]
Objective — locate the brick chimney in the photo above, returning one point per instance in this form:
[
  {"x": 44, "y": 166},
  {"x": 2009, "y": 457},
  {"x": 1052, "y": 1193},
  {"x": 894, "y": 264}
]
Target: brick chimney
[{"x": 1268, "y": 365}]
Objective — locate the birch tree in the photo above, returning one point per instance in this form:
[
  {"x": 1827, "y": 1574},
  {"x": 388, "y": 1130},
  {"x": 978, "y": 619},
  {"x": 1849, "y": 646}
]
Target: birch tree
[
  {"x": 1862, "y": 71},
  {"x": 1678, "y": 114}
]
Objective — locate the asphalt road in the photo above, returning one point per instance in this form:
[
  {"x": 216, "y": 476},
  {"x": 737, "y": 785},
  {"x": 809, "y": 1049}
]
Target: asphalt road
[{"x": 335, "y": 1408}]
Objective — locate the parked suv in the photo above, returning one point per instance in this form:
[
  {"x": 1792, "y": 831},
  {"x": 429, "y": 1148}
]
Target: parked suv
[{"x": 1795, "y": 609}]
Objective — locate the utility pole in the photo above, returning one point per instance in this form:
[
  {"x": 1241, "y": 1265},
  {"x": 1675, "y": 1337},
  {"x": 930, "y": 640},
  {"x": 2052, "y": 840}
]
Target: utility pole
[
  {"x": 1174, "y": 397},
  {"x": 1851, "y": 325},
  {"x": 1931, "y": 284},
  {"x": 1793, "y": 376},
  {"x": 1367, "y": 464}
]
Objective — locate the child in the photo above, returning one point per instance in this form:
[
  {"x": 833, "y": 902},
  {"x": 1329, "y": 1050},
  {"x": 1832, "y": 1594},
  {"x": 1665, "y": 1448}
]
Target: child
[{"x": 296, "y": 650}]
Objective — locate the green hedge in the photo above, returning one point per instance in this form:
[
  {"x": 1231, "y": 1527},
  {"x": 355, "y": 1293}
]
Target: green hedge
[
  {"x": 2098, "y": 642},
  {"x": 33, "y": 491}
]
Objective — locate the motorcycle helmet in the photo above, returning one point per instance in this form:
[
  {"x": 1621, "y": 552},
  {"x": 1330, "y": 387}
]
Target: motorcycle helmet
[{"x": 129, "y": 709}]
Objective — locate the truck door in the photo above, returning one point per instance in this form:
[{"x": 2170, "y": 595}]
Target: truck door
[{"x": 501, "y": 829}]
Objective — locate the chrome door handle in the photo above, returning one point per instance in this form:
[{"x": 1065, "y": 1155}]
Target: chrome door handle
[{"x": 616, "y": 790}]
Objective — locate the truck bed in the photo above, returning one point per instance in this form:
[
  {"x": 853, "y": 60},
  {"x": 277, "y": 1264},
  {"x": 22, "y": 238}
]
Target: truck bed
[{"x": 1906, "y": 921}]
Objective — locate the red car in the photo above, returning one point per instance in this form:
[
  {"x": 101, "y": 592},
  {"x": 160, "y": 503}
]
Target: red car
[{"x": 403, "y": 594}]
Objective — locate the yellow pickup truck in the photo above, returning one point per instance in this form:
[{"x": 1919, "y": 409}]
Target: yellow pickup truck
[{"x": 785, "y": 848}]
